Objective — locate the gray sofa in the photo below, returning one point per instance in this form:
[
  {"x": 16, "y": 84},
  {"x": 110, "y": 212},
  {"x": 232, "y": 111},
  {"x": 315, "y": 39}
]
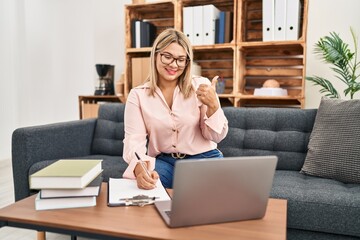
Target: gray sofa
[{"x": 318, "y": 208}]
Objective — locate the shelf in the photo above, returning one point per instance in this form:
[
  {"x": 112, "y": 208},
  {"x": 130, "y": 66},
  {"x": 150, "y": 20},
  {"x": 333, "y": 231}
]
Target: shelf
[
  {"x": 195, "y": 48},
  {"x": 215, "y": 46},
  {"x": 245, "y": 63},
  {"x": 269, "y": 97},
  {"x": 138, "y": 50},
  {"x": 89, "y": 104},
  {"x": 272, "y": 43},
  {"x": 269, "y": 101},
  {"x": 251, "y": 21}
]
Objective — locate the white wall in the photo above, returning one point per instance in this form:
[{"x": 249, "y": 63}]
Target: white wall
[
  {"x": 48, "y": 49},
  {"x": 328, "y": 16},
  {"x": 48, "y": 52},
  {"x": 10, "y": 51}
]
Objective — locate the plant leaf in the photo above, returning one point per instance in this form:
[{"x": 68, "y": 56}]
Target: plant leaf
[{"x": 326, "y": 86}]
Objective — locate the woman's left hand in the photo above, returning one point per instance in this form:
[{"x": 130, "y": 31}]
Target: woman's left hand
[{"x": 207, "y": 95}]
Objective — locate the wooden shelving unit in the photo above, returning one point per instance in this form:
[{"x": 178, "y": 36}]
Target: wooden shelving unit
[
  {"x": 89, "y": 105},
  {"x": 245, "y": 63}
]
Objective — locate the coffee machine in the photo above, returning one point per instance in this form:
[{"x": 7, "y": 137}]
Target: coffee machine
[{"x": 105, "y": 83}]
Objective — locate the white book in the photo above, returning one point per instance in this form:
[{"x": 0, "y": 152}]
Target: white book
[
  {"x": 197, "y": 25},
  {"x": 188, "y": 23},
  {"x": 137, "y": 34},
  {"x": 280, "y": 20},
  {"x": 268, "y": 12},
  {"x": 210, "y": 14},
  {"x": 93, "y": 189},
  {"x": 121, "y": 189},
  {"x": 61, "y": 203},
  {"x": 292, "y": 19}
]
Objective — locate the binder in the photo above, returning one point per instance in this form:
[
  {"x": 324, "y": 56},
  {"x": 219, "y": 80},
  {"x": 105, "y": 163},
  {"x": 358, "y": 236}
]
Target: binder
[
  {"x": 144, "y": 38},
  {"x": 210, "y": 14},
  {"x": 228, "y": 26},
  {"x": 280, "y": 20},
  {"x": 137, "y": 33},
  {"x": 221, "y": 31},
  {"x": 133, "y": 34},
  {"x": 217, "y": 26},
  {"x": 197, "y": 25},
  {"x": 188, "y": 23},
  {"x": 292, "y": 19},
  {"x": 148, "y": 32},
  {"x": 268, "y": 12}
]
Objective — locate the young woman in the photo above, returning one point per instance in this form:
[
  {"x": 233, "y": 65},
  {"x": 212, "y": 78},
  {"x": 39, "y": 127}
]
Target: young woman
[{"x": 172, "y": 116}]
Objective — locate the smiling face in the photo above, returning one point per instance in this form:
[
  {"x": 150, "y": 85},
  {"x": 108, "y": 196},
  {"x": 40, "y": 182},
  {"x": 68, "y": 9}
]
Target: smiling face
[{"x": 170, "y": 71}]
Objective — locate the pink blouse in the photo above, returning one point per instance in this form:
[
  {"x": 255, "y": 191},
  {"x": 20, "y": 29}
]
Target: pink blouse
[{"x": 184, "y": 128}]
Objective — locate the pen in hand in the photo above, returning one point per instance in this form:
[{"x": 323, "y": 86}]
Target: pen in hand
[{"x": 143, "y": 165}]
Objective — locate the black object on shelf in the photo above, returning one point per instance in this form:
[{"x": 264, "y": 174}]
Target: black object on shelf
[{"x": 105, "y": 82}]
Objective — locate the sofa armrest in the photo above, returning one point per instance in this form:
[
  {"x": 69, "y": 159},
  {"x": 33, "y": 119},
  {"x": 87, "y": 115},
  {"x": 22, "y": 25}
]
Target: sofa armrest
[{"x": 47, "y": 142}]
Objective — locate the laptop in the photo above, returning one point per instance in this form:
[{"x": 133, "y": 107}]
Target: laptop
[{"x": 217, "y": 190}]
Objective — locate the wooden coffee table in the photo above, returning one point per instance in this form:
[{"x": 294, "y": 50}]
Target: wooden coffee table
[{"x": 105, "y": 222}]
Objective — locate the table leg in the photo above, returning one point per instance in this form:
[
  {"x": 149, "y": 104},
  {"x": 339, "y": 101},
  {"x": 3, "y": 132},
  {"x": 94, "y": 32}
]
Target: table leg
[{"x": 41, "y": 235}]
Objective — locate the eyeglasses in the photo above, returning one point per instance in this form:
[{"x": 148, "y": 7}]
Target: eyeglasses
[{"x": 168, "y": 59}]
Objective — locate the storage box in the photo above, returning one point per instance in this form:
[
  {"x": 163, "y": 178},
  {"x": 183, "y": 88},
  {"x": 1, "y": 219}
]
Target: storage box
[{"x": 270, "y": 92}]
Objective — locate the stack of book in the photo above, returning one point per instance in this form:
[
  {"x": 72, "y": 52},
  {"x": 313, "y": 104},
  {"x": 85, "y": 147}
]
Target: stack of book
[{"x": 67, "y": 183}]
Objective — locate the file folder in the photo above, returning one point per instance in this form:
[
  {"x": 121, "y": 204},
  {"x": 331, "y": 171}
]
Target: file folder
[
  {"x": 210, "y": 14},
  {"x": 228, "y": 26},
  {"x": 292, "y": 19},
  {"x": 188, "y": 23},
  {"x": 197, "y": 25},
  {"x": 268, "y": 12},
  {"x": 221, "y": 28},
  {"x": 138, "y": 34},
  {"x": 280, "y": 20}
]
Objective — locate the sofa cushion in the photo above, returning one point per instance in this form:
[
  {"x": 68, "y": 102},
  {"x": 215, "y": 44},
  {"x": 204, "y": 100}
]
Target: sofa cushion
[
  {"x": 319, "y": 204},
  {"x": 269, "y": 131},
  {"x": 334, "y": 147},
  {"x": 109, "y": 130}
]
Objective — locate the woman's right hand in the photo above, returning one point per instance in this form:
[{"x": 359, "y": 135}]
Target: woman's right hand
[{"x": 144, "y": 181}]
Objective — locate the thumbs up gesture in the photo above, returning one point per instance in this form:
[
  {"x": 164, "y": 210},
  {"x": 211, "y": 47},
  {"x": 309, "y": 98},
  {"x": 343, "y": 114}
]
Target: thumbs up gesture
[
  {"x": 214, "y": 82},
  {"x": 206, "y": 93}
]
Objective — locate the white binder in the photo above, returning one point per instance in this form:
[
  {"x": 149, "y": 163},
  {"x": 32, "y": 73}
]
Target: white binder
[
  {"x": 268, "y": 12},
  {"x": 137, "y": 33},
  {"x": 280, "y": 20},
  {"x": 197, "y": 25},
  {"x": 292, "y": 19},
  {"x": 210, "y": 14},
  {"x": 188, "y": 23}
]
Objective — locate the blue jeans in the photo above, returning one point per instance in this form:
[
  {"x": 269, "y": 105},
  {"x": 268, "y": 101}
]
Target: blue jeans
[{"x": 164, "y": 164}]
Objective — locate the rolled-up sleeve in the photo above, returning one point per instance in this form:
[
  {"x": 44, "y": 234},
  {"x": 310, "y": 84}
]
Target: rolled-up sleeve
[{"x": 215, "y": 127}]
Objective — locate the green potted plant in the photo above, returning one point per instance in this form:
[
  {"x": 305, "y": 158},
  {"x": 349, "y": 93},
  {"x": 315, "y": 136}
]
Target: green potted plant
[{"x": 333, "y": 50}]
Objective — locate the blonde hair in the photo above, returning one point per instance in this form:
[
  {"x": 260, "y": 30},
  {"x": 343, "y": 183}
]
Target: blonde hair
[{"x": 162, "y": 41}]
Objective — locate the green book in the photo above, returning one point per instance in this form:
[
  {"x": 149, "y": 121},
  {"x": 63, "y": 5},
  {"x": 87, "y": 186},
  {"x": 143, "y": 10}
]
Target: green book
[{"x": 66, "y": 174}]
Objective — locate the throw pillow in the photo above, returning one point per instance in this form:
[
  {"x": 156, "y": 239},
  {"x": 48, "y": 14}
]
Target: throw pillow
[{"x": 334, "y": 146}]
